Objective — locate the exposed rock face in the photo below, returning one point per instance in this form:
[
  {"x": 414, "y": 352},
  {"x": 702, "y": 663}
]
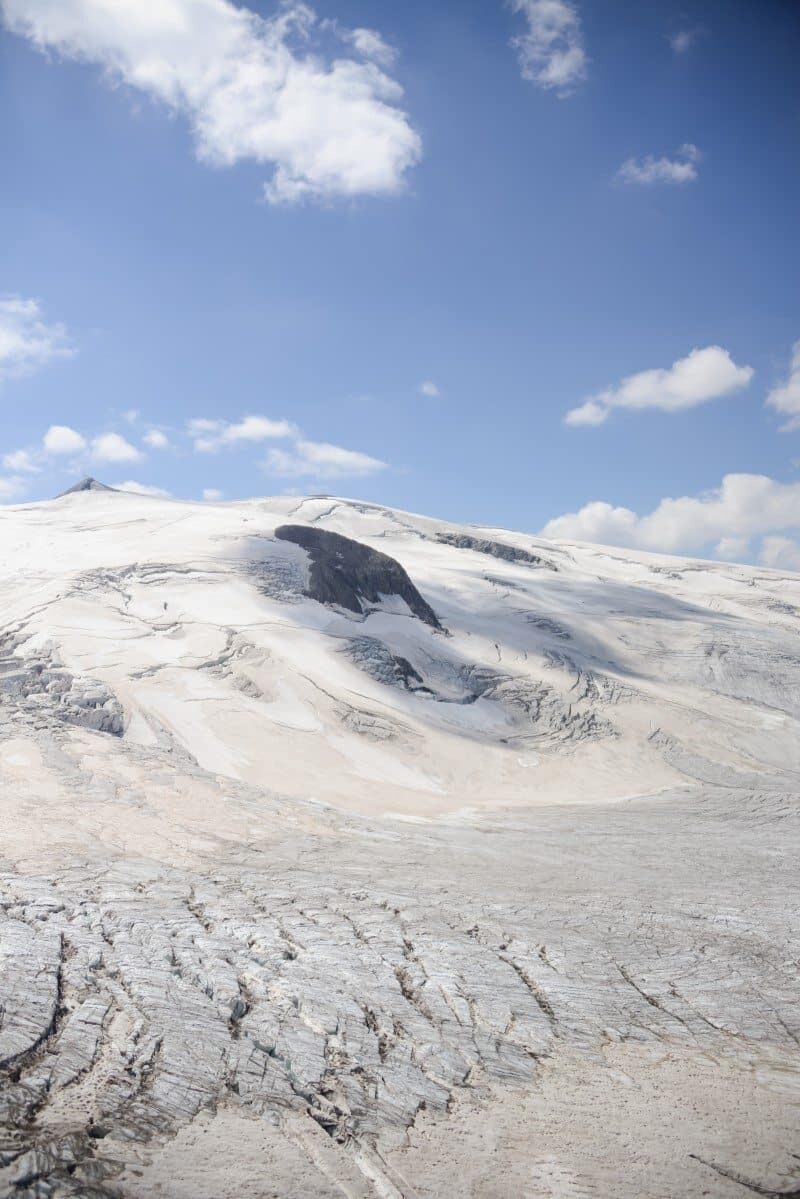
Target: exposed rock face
[
  {"x": 87, "y": 484},
  {"x": 388, "y": 668},
  {"x": 350, "y": 575},
  {"x": 497, "y": 549}
]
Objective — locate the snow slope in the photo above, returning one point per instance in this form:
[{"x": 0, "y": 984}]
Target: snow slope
[
  {"x": 590, "y": 674},
  {"x": 486, "y": 891}
]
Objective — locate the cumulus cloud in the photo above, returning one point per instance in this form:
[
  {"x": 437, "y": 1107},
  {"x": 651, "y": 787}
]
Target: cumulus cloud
[
  {"x": 725, "y": 521},
  {"x": 211, "y": 435},
  {"x": 785, "y": 398},
  {"x": 780, "y": 553},
  {"x": 142, "y": 489},
  {"x": 156, "y": 440},
  {"x": 27, "y": 342},
  {"x": 429, "y": 388},
  {"x": 551, "y": 51},
  {"x": 211, "y": 493},
  {"x": 111, "y": 447},
  {"x": 319, "y": 460},
  {"x": 647, "y": 171},
  {"x": 252, "y": 88},
  {"x": 701, "y": 376},
  {"x": 61, "y": 439}
]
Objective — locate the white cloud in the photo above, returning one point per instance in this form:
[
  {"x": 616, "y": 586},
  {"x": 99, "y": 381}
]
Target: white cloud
[
  {"x": 60, "y": 439},
  {"x": 683, "y": 40},
  {"x": 110, "y": 447},
  {"x": 11, "y": 486},
  {"x": 304, "y": 458},
  {"x": 551, "y": 51},
  {"x": 131, "y": 416},
  {"x": 786, "y": 397},
  {"x": 22, "y": 462},
  {"x": 141, "y": 489},
  {"x": 204, "y": 434},
  {"x": 319, "y": 460},
  {"x": 369, "y": 44},
  {"x": 428, "y": 388},
  {"x": 725, "y": 521},
  {"x": 211, "y": 435},
  {"x": 701, "y": 376},
  {"x": 156, "y": 440},
  {"x": 211, "y": 493},
  {"x": 26, "y": 342},
  {"x": 650, "y": 170},
  {"x": 251, "y": 88},
  {"x": 780, "y": 553},
  {"x": 732, "y": 549},
  {"x": 257, "y": 428},
  {"x": 591, "y": 412}
]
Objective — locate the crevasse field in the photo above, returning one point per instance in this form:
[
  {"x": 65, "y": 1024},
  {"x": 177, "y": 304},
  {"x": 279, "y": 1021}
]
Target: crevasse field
[{"x": 488, "y": 888}]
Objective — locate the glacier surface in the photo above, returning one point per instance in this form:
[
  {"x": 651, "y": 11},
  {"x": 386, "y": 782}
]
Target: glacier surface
[{"x": 483, "y": 884}]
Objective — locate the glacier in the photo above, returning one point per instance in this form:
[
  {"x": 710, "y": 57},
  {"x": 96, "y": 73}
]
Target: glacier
[{"x": 345, "y": 851}]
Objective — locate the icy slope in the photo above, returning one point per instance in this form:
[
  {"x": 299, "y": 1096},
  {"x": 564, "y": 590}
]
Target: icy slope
[
  {"x": 559, "y": 672},
  {"x": 345, "y": 852}
]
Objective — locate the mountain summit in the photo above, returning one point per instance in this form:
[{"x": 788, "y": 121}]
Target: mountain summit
[{"x": 87, "y": 484}]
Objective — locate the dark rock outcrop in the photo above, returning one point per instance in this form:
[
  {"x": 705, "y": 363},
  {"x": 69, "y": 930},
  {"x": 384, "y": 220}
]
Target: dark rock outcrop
[
  {"x": 497, "y": 549},
  {"x": 351, "y": 575},
  {"x": 385, "y": 667},
  {"x": 87, "y": 484}
]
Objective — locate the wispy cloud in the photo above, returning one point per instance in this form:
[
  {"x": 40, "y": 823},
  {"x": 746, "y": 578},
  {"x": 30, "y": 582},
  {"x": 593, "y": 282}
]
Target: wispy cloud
[
  {"x": 12, "y": 486},
  {"x": 682, "y": 41},
  {"x": 701, "y": 376},
  {"x": 142, "y": 489},
  {"x": 156, "y": 440},
  {"x": 726, "y": 521},
  {"x": 302, "y": 458},
  {"x": 648, "y": 171},
  {"x": 22, "y": 462},
  {"x": 369, "y": 44},
  {"x": 429, "y": 389},
  {"x": 551, "y": 51},
  {"x": 27, "y": 341},
  {"x": 252, "y": 88},
  {"x": 319, "y": 460},
  {"x": 210, "y": 494},
  {"x": 785, "y": 398}
]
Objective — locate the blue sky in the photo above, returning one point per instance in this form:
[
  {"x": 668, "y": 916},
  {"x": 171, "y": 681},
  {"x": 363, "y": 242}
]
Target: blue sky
[{"x": 213, "y": 212}]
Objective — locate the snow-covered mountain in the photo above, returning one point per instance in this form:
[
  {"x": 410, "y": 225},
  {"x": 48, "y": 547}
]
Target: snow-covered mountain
[
  {"x": 529, "y": 672},
  {"x": 325, "y": 825}
]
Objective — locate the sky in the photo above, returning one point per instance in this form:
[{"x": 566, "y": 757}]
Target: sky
[{"x": 531, "y": 264}]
